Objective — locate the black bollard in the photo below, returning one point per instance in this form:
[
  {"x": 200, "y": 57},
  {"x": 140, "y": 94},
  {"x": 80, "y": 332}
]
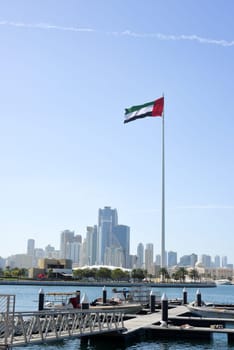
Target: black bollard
[
  {"x": 185, "y": 294},
  {"x": 78, "y": 297},
  {"x": 152, "y": 302},
  {"x": 164, "y": 301},
  {"x": 199, "y": 302},
  {"x": 41, "y": 300},
  {"x": 104, "y": 295},
  {"x": 84, "y": 302}
]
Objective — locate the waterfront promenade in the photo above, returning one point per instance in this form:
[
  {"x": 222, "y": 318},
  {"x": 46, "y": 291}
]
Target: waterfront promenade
[{"x": 208, "y": 284}]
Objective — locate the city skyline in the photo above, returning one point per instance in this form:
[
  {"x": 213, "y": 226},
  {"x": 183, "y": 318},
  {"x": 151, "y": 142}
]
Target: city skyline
[
  {"x": 145, "y": 251},
  {"x": 68, "y": 72}
]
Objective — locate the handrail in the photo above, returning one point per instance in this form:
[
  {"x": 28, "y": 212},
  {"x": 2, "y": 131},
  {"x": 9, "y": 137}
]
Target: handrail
[{"x": 42, "y": 326}]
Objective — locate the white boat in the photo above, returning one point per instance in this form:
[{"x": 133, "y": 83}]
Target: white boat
[
  {"x": 212, "y": 310},
  {"x": 71, "y": 300},
  {"x": 131, "y": 300},
  {"x": 223, "y": 282},
  {"x": 62, "y": 300}
]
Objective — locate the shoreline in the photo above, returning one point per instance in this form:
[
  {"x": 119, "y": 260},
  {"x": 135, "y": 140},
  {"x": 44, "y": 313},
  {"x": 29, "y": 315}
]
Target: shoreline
[{"x": 110, "y": 284}]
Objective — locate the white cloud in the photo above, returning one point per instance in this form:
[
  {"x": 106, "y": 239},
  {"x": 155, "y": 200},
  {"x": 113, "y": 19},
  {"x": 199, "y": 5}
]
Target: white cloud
[{"x": 157, "y": 36}]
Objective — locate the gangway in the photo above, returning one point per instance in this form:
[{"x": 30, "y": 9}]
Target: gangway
[{"x": 22, "y": 328}]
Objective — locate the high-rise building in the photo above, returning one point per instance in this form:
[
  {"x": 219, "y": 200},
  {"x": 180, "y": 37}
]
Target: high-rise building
[
  {"x": 224, "y": 261},
  {"x": 89, "y": 244},
  {"x": 114, "y": 256},
  {"x": 172, "y": 259},
  {"x": 140, "y": 256},
  {"x": 67, "y": 236},
  {"x": 193, "y": 259},
  {"x": 217, "y": 261},
  {"x": 94, "y": 254},
  {"x": 206, "y": 260},
  {"x": 74, "y": 252},
  {"x": 107, "y": 220},
  {"x": 30, "y": 247},
  {"x": 149, "y": 258},
  {"x": 50, "y": 252},
  {"x": 185, "y": 260},
  {"x": 158, "y": 260},
  {"x": 121, "y": 239}
]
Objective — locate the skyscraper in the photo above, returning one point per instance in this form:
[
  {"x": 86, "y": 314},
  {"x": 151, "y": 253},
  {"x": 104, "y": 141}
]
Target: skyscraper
[
  {"x": 224, "y": 261},
  {"x": 121, "y": 239},
  {"x": 172, "y": 259},
  {"x": 140, "y": 256},
  {"x": 217, "y": 261},
  {"x": 107, "y": 220},
  {"x": 67, "y": 236},
  {"x": 31, "y": 247},
  {"x": 149, "y": 258}
]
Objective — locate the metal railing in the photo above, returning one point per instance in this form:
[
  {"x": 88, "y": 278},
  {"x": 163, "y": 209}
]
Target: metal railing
[
  {"x": 7, "y": 311},
  {"x": 19, "y": 328}
]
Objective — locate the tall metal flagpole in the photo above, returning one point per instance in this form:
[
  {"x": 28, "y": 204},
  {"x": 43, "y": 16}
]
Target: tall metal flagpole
[{"x": 163, "y": 253}]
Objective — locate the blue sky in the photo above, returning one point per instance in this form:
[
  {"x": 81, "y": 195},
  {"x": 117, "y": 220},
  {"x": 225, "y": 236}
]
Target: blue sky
[{"x": 68, "y": 71}]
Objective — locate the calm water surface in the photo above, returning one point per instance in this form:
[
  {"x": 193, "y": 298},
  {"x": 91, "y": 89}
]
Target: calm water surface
[{"x": 27, "y": 300}]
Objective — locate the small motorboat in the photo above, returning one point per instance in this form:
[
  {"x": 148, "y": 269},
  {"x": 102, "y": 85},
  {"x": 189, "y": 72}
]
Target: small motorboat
[{"x": 210, "y": 310}]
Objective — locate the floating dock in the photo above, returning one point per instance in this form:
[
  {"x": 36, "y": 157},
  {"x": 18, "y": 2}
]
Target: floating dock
[{"x": 23, "y": 328}]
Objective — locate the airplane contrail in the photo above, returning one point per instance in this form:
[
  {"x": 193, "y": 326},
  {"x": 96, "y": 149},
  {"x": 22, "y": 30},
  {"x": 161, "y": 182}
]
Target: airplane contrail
[
  {"x": 193, "y": 37},
  {"x": 45, "y": 26},
  {"x": 158, "y": 36}
]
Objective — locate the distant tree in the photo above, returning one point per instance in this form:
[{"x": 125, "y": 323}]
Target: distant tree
[
  {"x": 15, "y": 272},
  {"x": 50, "y": 273},
  {"x": 138, "y": 274},
  {"x": 182, "y": 272},
  {"x": 175, "y": 276},
  {"x": 103, "y": 273},
  {"x": 78, "y": 273},
  {"x": 164, "y": 274},
  {"x": 23, "y": 272},
  {"x": 7, "y": 273},
  {"x": 193, "y": 274},
  {"x": 118, "y": 274},
  {"x": 87, "y": 273}
]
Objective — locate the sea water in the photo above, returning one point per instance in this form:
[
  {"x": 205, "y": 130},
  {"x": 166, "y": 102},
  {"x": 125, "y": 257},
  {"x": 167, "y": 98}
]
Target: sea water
[{"x": 27, "y": 300}]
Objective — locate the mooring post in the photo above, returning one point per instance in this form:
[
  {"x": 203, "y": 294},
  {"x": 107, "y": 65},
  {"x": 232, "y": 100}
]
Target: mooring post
[
  {"x": 164, "y": 306},
  {"x": 84, "y": 302},
  {"x": 41, "y": 300},
  {"x": 198, "y": 294},
  {"x": 104, "y": 295},
  {"x": 152, "y": 301},
  {"x": 78, "y": 297},
  {"x": 185, "y": 295}
]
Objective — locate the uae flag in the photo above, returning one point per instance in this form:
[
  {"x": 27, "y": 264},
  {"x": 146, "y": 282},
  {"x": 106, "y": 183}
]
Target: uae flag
[{"x": 149, "y": 109}]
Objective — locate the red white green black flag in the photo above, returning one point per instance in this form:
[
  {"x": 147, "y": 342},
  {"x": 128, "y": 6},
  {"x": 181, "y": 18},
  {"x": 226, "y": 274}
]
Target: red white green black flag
[{"x": 149, "y": 109}]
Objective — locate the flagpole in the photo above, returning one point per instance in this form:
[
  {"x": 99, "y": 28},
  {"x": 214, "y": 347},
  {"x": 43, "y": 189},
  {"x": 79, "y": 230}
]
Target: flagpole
[{"x": 163, "y": 263}]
